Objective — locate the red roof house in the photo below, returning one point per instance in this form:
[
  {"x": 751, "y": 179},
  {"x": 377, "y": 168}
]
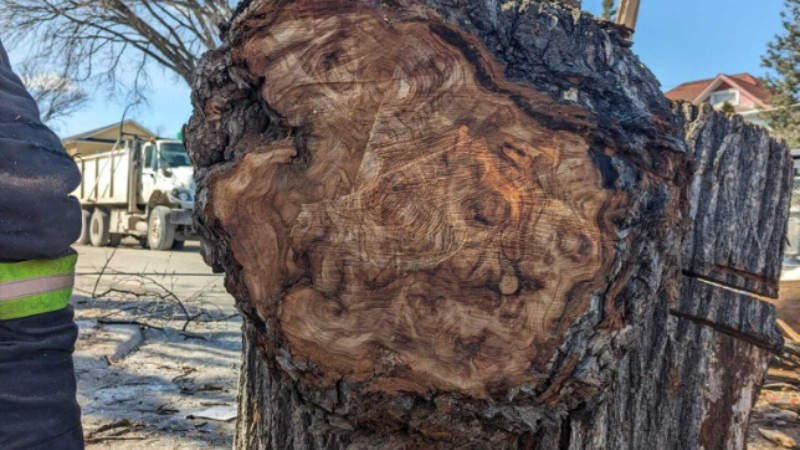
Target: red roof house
[{"x": 743, "y": 91}]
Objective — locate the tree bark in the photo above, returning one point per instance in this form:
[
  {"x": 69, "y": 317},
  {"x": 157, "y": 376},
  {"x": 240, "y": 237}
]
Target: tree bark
[{"x": 474, "y": 223}]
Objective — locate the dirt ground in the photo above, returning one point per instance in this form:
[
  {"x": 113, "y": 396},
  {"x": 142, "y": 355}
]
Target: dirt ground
[
  {"x": 788, "y": 305},
  {"x": 779, "y": 403},
  {"x": 147, "y": 377}
]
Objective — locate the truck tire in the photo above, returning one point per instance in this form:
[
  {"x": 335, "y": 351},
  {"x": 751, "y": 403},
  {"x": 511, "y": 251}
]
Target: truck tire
[
  {"x": 98, "y": 228},
  {"x": 86, "y": 218},
  {"x": 160, "y": 232}
]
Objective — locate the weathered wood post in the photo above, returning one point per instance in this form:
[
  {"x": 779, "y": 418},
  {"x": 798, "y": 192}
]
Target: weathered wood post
[{"x": 462, "y": 223}]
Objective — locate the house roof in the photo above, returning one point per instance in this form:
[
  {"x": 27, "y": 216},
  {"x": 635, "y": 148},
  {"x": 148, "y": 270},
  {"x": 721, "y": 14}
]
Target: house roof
[
  {"x": 91, "y": 133},
  {"x": 697, "y": 91}
]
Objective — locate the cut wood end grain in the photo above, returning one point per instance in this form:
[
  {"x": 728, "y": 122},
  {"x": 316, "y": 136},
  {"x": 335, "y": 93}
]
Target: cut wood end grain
[{"x": 435, "y": 214}]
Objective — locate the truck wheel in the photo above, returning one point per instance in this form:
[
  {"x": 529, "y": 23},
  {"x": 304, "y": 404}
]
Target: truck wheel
[
  {"x": 178, "y": 245},
  {"x": 98, "y": 228},
  {"x": 160, "y": 233},
  {"x": 86, "y": 218}
]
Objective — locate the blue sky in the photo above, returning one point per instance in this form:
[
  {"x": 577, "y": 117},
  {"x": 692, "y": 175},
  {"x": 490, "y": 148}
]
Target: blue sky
[
  {"x": 685, "y": 40},
  {"x": 680, "y": 40}
]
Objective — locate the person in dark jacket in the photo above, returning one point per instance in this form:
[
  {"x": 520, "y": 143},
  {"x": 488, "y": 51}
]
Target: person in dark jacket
[{"x": 38, "y": 222}]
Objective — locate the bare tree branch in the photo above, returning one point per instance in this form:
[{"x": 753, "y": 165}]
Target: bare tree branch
[
  {"x": 114, "y": 43},
  {"x": 55, "y": 95}
]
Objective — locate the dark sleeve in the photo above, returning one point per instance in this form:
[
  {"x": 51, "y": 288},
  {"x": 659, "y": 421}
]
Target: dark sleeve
[
  {"x": 38, "y": 217},
  {"x": 38, "y": 409}
]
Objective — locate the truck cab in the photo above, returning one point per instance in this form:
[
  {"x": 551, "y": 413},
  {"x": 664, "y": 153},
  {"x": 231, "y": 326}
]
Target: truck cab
[{"x": 167, "y": 181}]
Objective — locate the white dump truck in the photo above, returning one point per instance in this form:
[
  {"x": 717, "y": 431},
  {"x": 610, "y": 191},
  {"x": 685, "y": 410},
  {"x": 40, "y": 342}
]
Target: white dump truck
[{"x": 140, "y": 188}]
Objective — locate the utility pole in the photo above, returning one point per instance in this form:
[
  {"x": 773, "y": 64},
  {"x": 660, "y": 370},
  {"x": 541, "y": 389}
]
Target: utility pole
[{"x": 628, "y": 13}]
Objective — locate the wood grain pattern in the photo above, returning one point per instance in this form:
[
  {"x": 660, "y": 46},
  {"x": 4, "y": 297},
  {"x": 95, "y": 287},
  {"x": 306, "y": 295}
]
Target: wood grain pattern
[{"x": 430, "y": 233}]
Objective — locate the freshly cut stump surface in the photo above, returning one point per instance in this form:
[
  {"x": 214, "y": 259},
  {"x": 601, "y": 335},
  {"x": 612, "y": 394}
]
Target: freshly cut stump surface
[
  {"x": 435, "y": 232},
  {"x": 446, "y": 227}
]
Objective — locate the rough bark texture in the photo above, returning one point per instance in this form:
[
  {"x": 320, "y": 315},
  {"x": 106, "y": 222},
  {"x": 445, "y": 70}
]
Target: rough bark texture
[
  {"x": 739, "y": 199},
  {"x": 456, "y": 223}
]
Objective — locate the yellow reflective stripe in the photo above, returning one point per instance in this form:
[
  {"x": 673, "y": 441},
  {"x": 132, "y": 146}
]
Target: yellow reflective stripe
[
  {"x": 35, "y": 304},
  {"x": 25, "y": 270},
  {"x": 29, "y": 288}
]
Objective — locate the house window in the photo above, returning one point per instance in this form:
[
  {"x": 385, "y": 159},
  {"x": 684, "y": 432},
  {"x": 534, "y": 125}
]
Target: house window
[{"x": 719, "y": 98}]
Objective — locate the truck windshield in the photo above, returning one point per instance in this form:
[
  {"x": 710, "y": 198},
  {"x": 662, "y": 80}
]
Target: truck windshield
[{"x": 174, "y": 155}]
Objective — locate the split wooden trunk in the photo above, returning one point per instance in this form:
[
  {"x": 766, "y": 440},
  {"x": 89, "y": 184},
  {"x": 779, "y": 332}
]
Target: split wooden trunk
[{"x": 454, "y": 223}]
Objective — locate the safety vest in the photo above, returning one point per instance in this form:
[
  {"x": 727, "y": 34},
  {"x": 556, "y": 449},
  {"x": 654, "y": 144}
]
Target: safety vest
[{"x": 29, "y": 288}]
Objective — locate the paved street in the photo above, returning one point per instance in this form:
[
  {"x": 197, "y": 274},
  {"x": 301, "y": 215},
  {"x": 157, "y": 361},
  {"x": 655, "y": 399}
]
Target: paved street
[
  {"x": 132, "y": 267},
  {"x": 147, "y": 376}
]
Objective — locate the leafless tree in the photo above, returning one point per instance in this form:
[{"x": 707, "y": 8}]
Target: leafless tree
[
  {"x": 56, "y": 95},
  {"x": 114, "y": 42}
]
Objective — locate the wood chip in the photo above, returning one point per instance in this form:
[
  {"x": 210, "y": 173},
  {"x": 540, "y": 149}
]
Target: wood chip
[
  {"x": 788, "y": 331},
  {"x": 778, "y": 437},
  {"x": 786, "y": 376}
]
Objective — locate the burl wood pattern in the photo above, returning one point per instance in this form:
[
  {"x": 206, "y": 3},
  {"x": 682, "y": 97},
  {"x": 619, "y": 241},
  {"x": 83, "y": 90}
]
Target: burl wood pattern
[{"x": 423, "y": 229}]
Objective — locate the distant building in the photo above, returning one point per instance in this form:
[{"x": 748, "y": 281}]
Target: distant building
[
  {"x": 102, "y": 139},
  {"x": 744, "y": 92}
]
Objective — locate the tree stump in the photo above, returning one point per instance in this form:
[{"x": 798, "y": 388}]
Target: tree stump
[{"x": 474, "y": 223}]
